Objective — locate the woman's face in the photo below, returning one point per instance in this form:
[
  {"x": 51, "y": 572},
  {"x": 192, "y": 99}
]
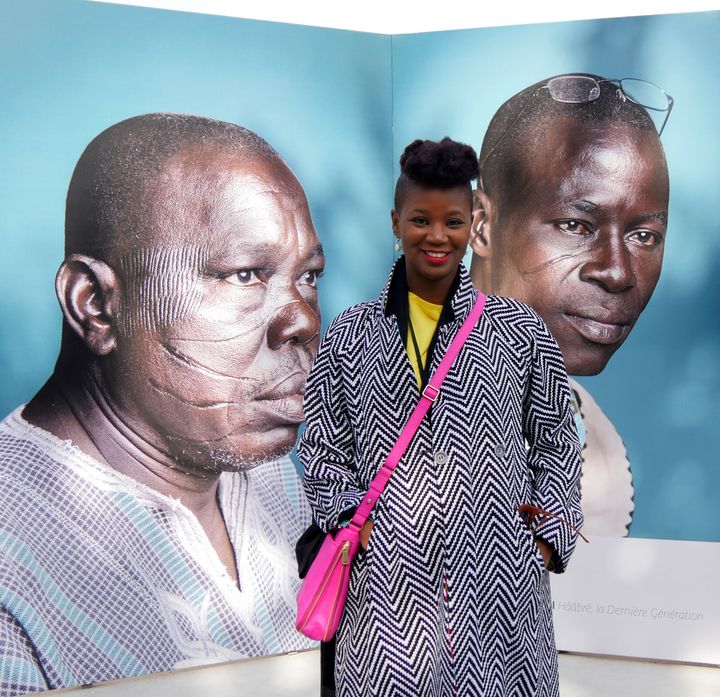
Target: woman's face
[{"x": 433, "y": 226}]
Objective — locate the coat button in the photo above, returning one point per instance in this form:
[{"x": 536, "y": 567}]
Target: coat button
[
  {"x": 500, "y": 450},
  {"x": 440, "y": 457}
]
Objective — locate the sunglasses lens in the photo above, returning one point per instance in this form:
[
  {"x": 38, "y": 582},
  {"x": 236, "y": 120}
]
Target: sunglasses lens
[
  {"x": 573, "y": 89},
  {"x": 645, "y": 93}
]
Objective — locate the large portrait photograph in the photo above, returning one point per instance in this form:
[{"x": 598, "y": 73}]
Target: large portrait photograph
[
  {"x": 170, "y": 186},
  {"x": 602, "y": 123},
  {"x": 187, "y": 203},
  {"x": 587, "y": 210}
]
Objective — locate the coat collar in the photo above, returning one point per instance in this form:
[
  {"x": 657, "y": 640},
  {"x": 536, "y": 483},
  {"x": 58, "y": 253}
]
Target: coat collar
[{"x": 393, "y": 298}]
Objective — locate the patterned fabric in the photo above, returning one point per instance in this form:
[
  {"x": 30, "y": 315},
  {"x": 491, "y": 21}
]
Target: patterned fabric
[
  {"x": 102, "y": 577},
  {"x": 451, "y": 597}
]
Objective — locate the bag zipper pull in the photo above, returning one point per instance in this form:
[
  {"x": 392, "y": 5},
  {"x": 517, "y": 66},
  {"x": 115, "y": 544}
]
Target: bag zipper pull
[{"x": 345, "y": 553}]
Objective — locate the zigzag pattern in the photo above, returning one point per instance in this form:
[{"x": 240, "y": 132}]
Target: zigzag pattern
[{"x": 451, "y": 597}]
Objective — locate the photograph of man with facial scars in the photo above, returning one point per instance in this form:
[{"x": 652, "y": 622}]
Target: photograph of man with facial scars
[
  {"x": 150, "y": 510},
  {"x": 570, "y": 217}
]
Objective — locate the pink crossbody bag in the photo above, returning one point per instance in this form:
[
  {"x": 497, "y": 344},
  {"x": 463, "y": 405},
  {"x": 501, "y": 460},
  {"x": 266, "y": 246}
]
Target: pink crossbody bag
[{"x": 321, "y": 597}]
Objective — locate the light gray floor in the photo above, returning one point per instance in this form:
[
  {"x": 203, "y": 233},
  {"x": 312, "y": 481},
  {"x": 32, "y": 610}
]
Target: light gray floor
[
  {"x": 297, "y": 675},
  {"x": 596, "y": 676}
]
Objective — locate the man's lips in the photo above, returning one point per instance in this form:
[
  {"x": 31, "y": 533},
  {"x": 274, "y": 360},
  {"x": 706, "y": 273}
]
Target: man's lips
[
  {"x": 285, "y": 398},
  {"x": 600, "y": 328}
]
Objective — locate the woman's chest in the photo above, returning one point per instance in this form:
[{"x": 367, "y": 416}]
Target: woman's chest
[{"x": 480, "y": 404}]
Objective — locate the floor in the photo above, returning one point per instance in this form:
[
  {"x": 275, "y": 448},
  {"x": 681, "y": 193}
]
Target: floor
[{"x": 297, "y": 675}]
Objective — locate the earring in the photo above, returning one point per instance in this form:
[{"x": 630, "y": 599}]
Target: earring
[{"x": 397, "y": 245}]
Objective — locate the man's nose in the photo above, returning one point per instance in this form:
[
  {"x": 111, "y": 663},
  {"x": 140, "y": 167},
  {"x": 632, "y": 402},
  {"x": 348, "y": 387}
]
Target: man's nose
[
  {"x": 610, "y": 265},
  {"x": 297, "y": 323}
]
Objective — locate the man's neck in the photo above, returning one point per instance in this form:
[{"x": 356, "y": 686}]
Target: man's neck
[
  {"x": 77, "y": 409},
  {"x": 480, "y": 274}
]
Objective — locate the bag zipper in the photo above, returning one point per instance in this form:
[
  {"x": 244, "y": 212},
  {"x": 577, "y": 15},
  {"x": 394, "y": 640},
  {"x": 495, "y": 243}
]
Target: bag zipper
[
  {"x": 343, "y": 555},
  {"x": 344, "y": 559}
]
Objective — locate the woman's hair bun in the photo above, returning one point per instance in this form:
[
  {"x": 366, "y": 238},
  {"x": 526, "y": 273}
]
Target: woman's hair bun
[{"x": 444, "y": 164}]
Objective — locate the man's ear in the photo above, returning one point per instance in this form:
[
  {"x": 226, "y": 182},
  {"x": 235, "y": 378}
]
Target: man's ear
[
  {"x": 481, "y": 228},
  {"x": 87, "y": 290}
]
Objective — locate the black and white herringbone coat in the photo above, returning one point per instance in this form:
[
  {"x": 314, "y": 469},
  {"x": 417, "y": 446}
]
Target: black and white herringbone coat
[{"x": 451, "y": 597}]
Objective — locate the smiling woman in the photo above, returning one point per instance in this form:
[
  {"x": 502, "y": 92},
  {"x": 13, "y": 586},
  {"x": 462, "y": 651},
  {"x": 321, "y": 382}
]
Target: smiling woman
[{"x": 452, "y": 593}]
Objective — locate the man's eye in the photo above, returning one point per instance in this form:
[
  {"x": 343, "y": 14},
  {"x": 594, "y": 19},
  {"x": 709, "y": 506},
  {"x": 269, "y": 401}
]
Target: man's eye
[
  {"x": 244, "y": 277},
  {"x": 310, "y": 278},
  {"x": 574, "y": 227},
  {"x": 645, "y": 238}
]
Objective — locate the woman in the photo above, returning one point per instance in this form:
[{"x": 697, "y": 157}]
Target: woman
[{"x": 451, "y": 596}]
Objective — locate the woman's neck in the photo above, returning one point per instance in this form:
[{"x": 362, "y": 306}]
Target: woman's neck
[{"x": 432, "y": 292}]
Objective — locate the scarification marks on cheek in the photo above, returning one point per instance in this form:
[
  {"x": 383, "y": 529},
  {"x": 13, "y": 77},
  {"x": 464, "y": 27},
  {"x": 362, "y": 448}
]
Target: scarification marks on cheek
[
  {"x": 162, "y": 286},
  {"x": 195, "y": 404},
  {"x": 244, "y": 331},
  {"x": 194, "y": 364},
  {"x": 563, "y": 257}
]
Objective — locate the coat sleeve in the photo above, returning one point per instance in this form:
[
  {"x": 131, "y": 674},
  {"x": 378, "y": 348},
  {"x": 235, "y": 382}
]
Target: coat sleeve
[
  {"x": 326, "y": 449},
  {"x": 19, "y": 669},
  {"x": 554, "y": 454}
]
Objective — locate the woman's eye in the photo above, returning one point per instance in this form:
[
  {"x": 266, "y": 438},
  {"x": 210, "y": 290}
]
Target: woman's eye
[
  {"x": 574, "y": 227},
  {"x": 310, "y": 278},
  {"x": 244, "y": 277},
  {"x": 419, "y": 220},
  {"x": 646, "y": 238},
  {"x": 455, "y": 223}
]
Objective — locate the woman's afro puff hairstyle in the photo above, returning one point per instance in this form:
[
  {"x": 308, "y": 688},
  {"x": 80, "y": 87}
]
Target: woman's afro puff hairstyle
[{"x": 436, "y": 165}]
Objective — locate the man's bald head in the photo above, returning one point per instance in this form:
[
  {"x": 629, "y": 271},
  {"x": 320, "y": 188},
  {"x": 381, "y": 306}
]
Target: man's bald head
[
  {"x": 111, "y": 200},
  {"x": 571, "y": 214},
  {"x": 189, "y": 289},
  {"x": 524, "y": 119}
]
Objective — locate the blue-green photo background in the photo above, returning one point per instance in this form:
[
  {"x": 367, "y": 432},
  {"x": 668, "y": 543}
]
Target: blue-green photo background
[
  {"x": 662, "y": 388},
  {"x": 70, "y": 69},
  {"x": 340, "y": 106}
]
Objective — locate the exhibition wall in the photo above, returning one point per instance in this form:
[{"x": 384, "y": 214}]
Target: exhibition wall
[
  {"x": 658, "y": 395},
  {"x": 340, "y": 106}
]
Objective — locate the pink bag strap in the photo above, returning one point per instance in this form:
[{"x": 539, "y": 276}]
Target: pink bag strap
[{"x": 429, "y": 395}]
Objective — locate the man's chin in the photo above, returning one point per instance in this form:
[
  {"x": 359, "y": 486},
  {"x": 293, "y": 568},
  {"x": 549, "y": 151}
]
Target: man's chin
[
  {"x": 588, "y": 360},
  {"x": 254, "y": 450}
]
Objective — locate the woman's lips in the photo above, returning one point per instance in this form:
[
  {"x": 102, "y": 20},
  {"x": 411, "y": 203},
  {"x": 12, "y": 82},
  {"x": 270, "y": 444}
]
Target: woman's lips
[
  {"x": 600, "y": 332},
  {"x": 433, "y": 257}
]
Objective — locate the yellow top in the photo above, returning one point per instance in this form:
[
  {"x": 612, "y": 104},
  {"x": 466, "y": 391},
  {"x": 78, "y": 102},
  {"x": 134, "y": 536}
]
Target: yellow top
[{"x": 424, "y": 317}]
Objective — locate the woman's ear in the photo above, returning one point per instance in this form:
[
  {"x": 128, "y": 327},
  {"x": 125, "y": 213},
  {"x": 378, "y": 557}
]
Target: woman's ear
[
  {"x": 481, "y": 228},
  {"x": 394, "y": 216},
  {"x": 87, "y": 291}
]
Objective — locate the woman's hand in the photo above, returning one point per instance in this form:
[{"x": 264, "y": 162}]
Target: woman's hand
[
  {"x": 365, "y": 531},
  {"x": 546, "y": 551}
]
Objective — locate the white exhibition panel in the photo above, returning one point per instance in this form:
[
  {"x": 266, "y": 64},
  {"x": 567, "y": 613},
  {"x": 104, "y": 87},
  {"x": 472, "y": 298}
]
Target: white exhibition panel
[
  {"x": 641, "y": 598},
  {"x": 402, "y": 18}
]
